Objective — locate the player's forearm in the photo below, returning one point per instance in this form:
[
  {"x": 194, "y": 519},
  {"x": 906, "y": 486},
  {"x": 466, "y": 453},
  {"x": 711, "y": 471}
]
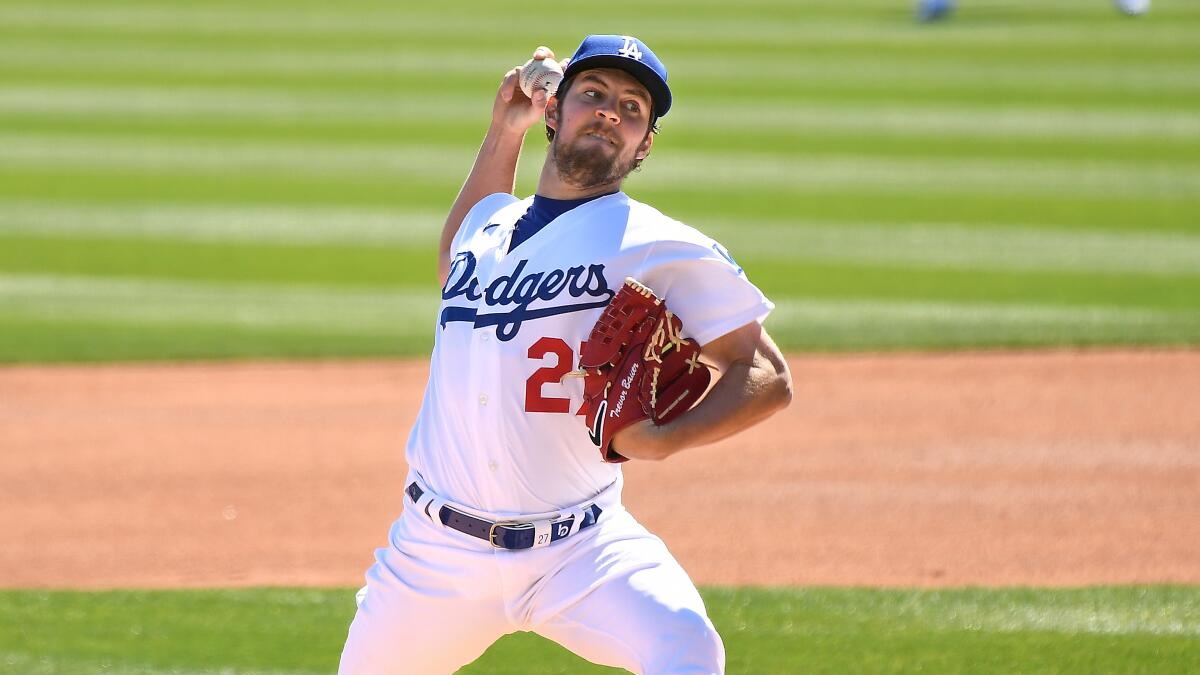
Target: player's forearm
[
  {"x": 746, "y": 394},
  {"x": 495, "y": 170}
]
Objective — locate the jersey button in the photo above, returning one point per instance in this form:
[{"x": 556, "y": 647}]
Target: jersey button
[
  {"x": 483, "y": 399},
  {"x": 493, "y": 465},
  {"x": 484, "y": 337}
]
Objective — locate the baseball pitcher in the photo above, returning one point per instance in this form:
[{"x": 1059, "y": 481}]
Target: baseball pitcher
[{"x": 578, "y": 329}]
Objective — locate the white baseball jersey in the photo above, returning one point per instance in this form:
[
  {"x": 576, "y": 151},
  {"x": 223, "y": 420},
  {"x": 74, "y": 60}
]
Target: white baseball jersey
[{"x": 498, "y": 430}]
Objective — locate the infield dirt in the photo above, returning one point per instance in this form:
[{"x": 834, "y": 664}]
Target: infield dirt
[{"x": 1048, "y": 469}]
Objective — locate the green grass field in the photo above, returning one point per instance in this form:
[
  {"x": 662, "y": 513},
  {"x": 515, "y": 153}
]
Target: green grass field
[
  {"x": 259, "y": 631},
  {"x": 268, "y": 179}
]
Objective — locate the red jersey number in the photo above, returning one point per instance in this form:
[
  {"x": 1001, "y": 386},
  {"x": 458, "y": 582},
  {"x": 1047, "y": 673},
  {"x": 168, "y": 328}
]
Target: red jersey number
[{"x": 564, "y": 361}]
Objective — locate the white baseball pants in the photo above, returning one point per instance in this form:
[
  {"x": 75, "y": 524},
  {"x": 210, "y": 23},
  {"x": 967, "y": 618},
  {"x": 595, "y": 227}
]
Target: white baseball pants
[{"x": 436, "y": 599}]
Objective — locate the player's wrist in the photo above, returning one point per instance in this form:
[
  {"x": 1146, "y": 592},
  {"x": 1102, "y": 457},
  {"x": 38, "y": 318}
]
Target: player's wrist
[
  {"x": 645, "y": 441},
  {"x": 503, "y": 142},
  {"x": 506, "y": 130}
]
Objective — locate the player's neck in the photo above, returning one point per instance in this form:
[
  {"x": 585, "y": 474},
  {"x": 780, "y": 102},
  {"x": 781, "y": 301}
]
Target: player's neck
[{"x": 552, "y": 186}]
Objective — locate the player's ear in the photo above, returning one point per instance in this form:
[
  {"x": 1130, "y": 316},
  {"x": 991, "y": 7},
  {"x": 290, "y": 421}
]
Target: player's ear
[
  {"x": 644, "y": 147},
  {"x": 552, "y": 113}
]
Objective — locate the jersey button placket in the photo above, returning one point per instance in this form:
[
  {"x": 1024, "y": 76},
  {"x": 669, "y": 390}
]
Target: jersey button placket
[
  {"x": 477, "y": 381},
  {"x": 488, "y": 356},
  {"x": 485, "y": 378}
]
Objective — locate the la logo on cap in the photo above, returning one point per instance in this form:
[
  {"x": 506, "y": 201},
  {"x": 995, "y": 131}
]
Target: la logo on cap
[{"x": 630, "y": 50}]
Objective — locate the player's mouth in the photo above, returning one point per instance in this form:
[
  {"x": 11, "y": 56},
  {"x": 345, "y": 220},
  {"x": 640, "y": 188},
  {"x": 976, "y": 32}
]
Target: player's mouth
[{"x": 601, "y": 136}]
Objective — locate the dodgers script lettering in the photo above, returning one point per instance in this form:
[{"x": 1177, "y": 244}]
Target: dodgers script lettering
[{"x": 519, "y": 291}]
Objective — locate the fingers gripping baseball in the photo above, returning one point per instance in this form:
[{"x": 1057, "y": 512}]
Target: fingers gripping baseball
[
  {"x": 516, "y": 109},
  {"x": 540, "y": 75}
]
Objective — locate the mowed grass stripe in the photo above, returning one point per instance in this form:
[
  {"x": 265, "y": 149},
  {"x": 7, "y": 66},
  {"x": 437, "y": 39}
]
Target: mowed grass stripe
[
  {"x": 697, "y": 91},
  {"x": 933, "y": 245},
  {"x": 697, "y": 204},
  {"x": 955, "y": 246},
  {"x": 406, "y": 316},
  {"x": 184, "y": 156},
  {"x": 1114, "y": 610},
  {"x": 1121, "y": 85},
  {"x": 392, "y": 311},
  {"x": 1112, "y": 212},
  {"x": 345, "y": 265},
  {"x": 495, "y": 47},
  {"x": 317, "y": 63},
  {"x": 854, "y": 324},
  {"x": 855, "y": 8},
  {"x": 232, "y": 223},
  {"x": 27, "y": 664},
  {"x": 376, "y": 265},
  {"x": 843, "y": 281},
  {"x": 726, "y": 171},
  {"x": 823, "y": 630},
  {"x": 998, "y": 120},
  {"x": 722, "y": 171},
  {"x": 1002, "y": 120},
  {"x": 858, "y": 136},
  {"x": 737, "y": 29}
]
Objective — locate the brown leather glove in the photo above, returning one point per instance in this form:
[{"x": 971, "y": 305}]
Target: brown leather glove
[{"x": 636, "y": 366}]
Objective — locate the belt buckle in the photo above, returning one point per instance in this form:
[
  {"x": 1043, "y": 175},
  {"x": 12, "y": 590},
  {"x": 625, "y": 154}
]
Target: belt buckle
[{"x": 511, "y": 524}]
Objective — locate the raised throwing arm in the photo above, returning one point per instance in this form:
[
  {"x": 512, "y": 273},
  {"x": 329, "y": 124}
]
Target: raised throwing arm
[{"x": 495, "y": 168}]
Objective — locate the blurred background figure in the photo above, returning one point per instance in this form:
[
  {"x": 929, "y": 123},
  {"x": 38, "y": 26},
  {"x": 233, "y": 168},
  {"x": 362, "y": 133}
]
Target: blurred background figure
[
  {"x": 1133, "y": 7},
  {"x": 932, "y": 10}
]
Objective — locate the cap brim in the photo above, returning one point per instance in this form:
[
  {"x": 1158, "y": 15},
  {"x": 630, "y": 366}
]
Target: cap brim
[{"x": 659, "y": 93}]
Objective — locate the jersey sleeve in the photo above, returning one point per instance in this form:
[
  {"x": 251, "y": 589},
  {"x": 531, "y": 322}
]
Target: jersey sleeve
[
  {"x": 477, "y": 218},
  {"x": 704, "y": 286}
]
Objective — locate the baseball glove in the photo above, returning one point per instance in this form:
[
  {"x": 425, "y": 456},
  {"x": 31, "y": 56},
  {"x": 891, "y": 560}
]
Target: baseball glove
[{"x": 636, "y": 366}]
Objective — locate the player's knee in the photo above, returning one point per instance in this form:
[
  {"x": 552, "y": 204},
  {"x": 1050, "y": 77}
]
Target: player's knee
[
  {"x": 689, "y": 645},
  {"x": 360, "y": 651}
]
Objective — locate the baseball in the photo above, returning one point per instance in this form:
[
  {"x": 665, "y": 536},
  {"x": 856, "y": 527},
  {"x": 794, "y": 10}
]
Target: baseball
[{"x": 543, "y": 74}]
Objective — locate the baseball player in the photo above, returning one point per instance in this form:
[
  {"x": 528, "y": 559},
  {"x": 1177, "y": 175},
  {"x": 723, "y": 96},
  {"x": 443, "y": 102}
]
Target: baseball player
[{"x": 513, "y": 521}]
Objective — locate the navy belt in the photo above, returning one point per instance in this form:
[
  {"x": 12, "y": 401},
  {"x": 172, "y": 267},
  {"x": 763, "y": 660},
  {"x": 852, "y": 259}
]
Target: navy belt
[{"x": 513, "y": 535}]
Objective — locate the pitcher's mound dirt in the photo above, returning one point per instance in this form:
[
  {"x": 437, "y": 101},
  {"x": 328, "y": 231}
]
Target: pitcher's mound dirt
[{"x": 992, "y": 469}]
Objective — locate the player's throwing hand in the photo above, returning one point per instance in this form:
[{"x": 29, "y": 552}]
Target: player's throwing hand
[{"x": 513, "y": 109}]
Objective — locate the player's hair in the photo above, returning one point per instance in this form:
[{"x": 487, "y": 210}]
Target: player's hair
[{"x": 566, "y": 85}]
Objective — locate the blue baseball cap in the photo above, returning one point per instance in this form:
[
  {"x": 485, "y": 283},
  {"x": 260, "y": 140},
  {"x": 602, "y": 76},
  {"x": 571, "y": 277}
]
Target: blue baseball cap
[{"x": 625, "y": 53}]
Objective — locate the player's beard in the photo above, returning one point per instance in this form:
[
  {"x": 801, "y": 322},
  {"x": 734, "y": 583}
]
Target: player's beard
[{"x": 584, "y": 164}]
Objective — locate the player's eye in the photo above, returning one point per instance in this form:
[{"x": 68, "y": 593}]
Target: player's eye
[{"x": 632, "y": 106}]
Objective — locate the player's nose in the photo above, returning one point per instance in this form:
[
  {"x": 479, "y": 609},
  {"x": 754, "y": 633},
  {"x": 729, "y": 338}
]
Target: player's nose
[{"x": 610, "y": 115}]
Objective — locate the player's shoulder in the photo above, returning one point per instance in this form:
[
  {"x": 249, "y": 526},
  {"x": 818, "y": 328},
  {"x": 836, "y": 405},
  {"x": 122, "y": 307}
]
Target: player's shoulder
[
  {"x": 671, "y": 242},
  {"x": 658, "y": 226},
  {"x": 492, "y": 209}
]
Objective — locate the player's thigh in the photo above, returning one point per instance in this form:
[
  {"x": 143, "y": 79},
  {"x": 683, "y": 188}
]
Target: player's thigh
[
  {"x": 631, "y": 605},
  {"x": 425, "y": 609}
]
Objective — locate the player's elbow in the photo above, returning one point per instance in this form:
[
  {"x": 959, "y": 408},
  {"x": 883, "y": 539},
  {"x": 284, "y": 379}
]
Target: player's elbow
[
  {"x": 777, "y": 384},
  {"x": 785, "y": 394},
  {"x": 781, "y": 390},
  {"x": 774, "y": 375}
]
